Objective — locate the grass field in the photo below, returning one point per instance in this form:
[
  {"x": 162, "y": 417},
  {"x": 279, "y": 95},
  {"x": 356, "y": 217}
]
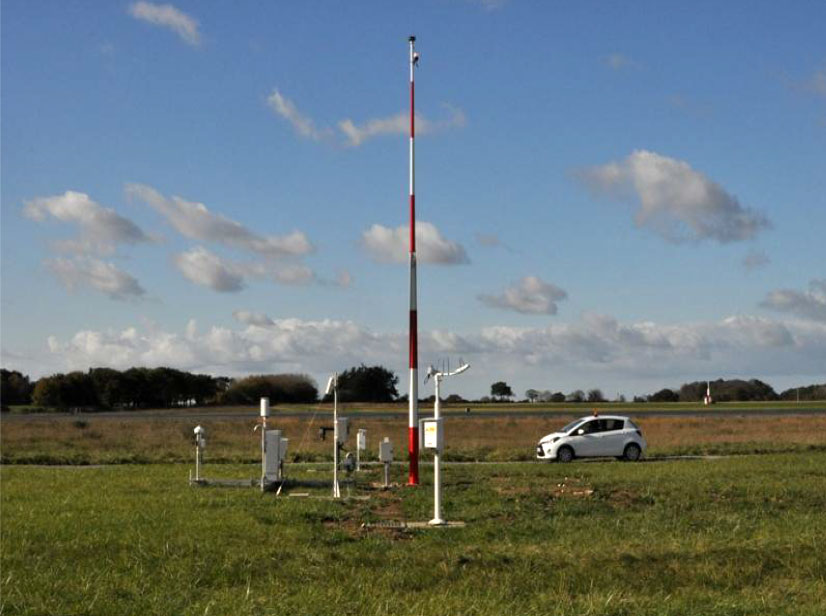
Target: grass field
[
  {"x": 95, "y": 440},
  {"x": 734, "y": 536}
]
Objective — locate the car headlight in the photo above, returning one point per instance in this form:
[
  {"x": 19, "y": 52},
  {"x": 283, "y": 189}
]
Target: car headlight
[{"x": 555, "y": 439}]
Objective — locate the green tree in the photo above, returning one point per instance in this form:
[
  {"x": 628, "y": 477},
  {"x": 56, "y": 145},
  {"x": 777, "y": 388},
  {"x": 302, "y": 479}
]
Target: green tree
[
  {"x": 72, "y": 390},
  {"x": 15, "y": 388},
  {"x": 664, "y": 395},
  {"x": 367, "y": 384},
  {"x": 576, "y": 396},
  {"x": 532, "y": 395},
  {"x": 500, "y": 390},
  {"x": 595, "y": 395}
]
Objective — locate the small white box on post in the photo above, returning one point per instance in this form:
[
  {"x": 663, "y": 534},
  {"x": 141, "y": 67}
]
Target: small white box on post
[
  {"x": 386, "y": 457},
  {"x": 265, "y": 407},
  {"x": 361, "y": 445},
  {"x": 342, "y": 430},
  {"x": 433, "y": 435}
]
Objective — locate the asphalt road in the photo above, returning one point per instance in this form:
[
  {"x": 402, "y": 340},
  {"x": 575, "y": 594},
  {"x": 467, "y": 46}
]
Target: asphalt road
[{"x": 251, "y": 415}]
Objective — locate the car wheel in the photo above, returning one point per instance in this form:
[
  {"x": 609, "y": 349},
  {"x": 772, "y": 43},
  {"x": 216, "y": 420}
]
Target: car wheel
[
  {"x": 632, "y": 452},
  {"x": 565, "y": 454}
]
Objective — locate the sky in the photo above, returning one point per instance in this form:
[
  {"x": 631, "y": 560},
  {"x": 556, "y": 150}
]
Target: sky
[{"x": 623, "y": 196}]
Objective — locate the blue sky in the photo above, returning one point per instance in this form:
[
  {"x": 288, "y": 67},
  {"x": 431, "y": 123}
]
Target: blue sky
[{"x": 626, "y": 196}]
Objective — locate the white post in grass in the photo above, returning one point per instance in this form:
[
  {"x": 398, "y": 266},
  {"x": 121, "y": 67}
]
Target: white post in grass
[{"x": 434, "y": 440}]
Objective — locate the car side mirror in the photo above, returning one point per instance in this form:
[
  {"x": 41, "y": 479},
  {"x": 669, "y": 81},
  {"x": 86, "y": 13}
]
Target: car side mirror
[{"x": 580, "y": 432}]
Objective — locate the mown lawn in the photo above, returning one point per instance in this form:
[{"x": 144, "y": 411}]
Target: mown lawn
[{"x": 741, "y": 535}]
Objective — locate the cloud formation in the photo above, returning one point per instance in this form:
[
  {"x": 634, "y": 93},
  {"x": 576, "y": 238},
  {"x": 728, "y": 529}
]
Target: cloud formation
[
  {"x": 387, "y": 245},
  {"x": 101, "y": 228},
  {"x": 675, "y": 201},
  {"x": 354, "y": 135},
  {"x": 596, "y": 346},
  {"x": 167, "y": 16},
  {"x": 207, "y": 269},
  {"x": 398, "y": 124},
  {"x": 530, "y": 295},
  {"x": 195, "y": 221},
  {"x": 252, "y": 318},
  {"x": 809, "y": 304},
  {"x": 87, "y": 272},
  {"x": 303, "y": 124}
]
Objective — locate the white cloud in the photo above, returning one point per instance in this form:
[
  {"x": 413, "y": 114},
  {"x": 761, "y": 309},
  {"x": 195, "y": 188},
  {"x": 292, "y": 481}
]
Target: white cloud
[
  {"x": 101, "y": 229},
  {"x": 253, "y": 318},
  {"x": 167, "y": 16},
  {"x": 209, "y": 270},
  {"x": 263, "y": 345},
  {"x": 353, "y": 134},
  {"x": 595, "y": 349},
  {"x": 302, "y": 123},
  {"x": 388, "y": 245},
  {"x": 530, "y": 295},
  {"x": 195, "y": 221},
  {"x": 675, "y": 201},
  {"x": 809, "y": 304},
  {"x": 87, "y": 272},
  {"x": 398, "y": 124}
]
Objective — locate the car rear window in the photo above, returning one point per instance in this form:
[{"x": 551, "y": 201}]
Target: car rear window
[{"x": 613, "y": 424}]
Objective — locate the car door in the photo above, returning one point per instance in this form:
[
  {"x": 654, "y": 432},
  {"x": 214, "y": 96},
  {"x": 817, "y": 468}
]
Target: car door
[
  {"x": 611, "y": 437},
  {"x": 585, "y": 438}
]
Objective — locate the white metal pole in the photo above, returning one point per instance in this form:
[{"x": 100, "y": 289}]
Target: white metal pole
[
  {"x": 336, "y": 491},
  {"x": 197, "y": 461},
  {"x": 264, "y": 412},
  {"x": 437, "y": 479}
]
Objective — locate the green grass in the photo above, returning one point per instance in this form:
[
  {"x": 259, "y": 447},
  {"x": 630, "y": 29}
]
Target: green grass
[{"x": 731, "y": 536}]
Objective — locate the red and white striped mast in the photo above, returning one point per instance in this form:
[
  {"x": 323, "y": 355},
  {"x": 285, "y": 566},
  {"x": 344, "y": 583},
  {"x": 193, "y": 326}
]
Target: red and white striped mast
[{"x": 413, "y": 395}]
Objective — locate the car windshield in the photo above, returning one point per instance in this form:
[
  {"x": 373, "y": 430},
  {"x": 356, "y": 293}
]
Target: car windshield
[{"x": 571, "y": 425}]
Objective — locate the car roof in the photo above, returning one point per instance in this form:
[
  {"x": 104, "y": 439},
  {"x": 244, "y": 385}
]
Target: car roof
[{"x": 603, "y": 417}]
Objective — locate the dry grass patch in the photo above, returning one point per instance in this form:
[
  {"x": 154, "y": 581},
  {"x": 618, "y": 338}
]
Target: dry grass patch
[{"x": 95, "y": 440}]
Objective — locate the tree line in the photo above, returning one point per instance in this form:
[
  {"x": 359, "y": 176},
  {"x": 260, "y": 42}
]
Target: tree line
[
  {"x": 142, "y": 388},
  {"x": 722, "y": 390}
]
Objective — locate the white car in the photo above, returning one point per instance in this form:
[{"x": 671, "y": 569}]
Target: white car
[{"x": 591, "y": 437}]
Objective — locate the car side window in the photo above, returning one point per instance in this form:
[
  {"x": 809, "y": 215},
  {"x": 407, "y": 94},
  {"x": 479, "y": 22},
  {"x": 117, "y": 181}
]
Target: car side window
[
  {"x": 589, "y": 427},
  {"x": 613, "y": 424}
]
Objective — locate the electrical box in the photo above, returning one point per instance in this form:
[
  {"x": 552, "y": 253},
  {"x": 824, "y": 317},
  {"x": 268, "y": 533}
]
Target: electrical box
[
  {"x": 342, "y": 429},
  {"x": 432, "y": 435},
  {"x": 274, "y": 454},
  {"x": 386, "y": 451},
  {"x": 265, "y": 407},
  {"x": 361, "y": 439}
]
